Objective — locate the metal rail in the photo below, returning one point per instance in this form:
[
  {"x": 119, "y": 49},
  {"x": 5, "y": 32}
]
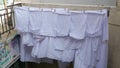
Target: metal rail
[{"x": 7, "y": 24}]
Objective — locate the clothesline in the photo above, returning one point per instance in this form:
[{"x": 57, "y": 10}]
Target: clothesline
[{"x": 71, "y": 7}]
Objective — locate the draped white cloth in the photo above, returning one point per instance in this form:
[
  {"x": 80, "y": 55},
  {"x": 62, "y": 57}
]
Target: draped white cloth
[{"x": 79, "y": 36}]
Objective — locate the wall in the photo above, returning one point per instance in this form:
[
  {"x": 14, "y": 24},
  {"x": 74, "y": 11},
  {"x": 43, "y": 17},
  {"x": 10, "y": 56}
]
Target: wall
[
  {"x": 82, "y": 2},
  {"x": 78, "y": 2},
  {"x": 114, "y": 40}
]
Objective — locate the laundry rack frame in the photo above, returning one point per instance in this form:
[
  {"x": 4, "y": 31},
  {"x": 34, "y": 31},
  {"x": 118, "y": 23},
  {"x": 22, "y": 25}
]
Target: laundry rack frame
[{"x": 7, "y": 23}]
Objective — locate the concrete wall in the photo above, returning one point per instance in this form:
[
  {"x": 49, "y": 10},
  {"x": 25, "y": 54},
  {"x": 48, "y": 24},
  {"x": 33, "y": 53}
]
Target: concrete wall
[
  {"x": 114, "y": 38},
  {"x": 78, "y": 2}
]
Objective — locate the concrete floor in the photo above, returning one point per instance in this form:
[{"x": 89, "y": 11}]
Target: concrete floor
[{"x": 46, "y": 65}]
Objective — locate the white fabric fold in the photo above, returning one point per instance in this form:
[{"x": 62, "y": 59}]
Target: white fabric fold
[
  {"x": 22, "y": 19},
  {"x": 62, "y": 26},
  {"x": 25, "y": 54},
  {"x": 94, "y": 24},
  {"x": 78, "y": 25},
  {"x": 35, "y": 21},
  {"x": 87, "y": 54},
  {"x": 48, "y": 23}
]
